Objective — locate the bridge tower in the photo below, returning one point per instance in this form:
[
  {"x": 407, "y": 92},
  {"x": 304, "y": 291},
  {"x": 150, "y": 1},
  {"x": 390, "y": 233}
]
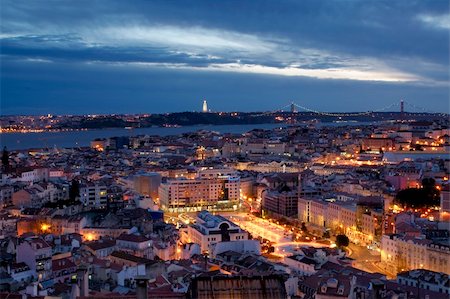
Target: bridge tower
[
  {"x": 402, "y": 108},
  {"x": 293, "y": 108}
]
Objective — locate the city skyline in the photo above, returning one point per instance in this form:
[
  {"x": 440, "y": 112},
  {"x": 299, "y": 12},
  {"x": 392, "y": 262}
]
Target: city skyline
[
  {"x": 225, "y": 149},
  {"x": 157, "y": 57}
]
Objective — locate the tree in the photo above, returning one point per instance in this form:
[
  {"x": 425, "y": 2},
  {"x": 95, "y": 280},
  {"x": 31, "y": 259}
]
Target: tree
[
  {"x": 74, "y": 190},
  {"x": 5, "y": 159},
  {"x": 427, "y": 196},
  {"x": 342, "y": 241},
  {"x": 418, "y": 147},
  {"x": 428, "y": 183},
  {"x": 303, "y": 228}
]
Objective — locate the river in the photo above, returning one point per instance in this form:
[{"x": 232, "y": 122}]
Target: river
[{"x": 67, "y": 139}]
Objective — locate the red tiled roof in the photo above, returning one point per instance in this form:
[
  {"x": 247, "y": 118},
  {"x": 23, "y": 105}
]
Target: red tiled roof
[
  {"x": 133, "y": 238},
  {"x": 40, "y": 243},
  {"x": 61, "y": 264},
  {"x": 129, "y": 257},
  {"x": 101, "y": 244}
]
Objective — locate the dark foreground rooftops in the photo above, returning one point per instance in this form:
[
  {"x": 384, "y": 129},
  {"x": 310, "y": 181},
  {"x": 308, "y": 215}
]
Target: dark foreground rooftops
[{"x": 268, "y": 287}]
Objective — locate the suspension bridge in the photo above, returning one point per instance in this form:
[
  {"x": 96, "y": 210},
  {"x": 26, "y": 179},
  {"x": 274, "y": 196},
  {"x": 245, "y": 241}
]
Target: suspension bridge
[{"x": 400, "y": 107}]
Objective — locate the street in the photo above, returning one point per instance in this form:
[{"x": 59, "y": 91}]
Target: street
[{"x": 367, "y": 260}]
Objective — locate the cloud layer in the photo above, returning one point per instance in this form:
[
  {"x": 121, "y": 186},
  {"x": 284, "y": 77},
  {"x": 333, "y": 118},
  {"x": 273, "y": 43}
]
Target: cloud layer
[{"x": 390, "y": 42}]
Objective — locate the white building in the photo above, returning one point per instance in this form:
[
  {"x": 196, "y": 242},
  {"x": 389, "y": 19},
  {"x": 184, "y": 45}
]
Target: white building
[
  {"x": 402, "y": 253},
  {"x": 241, "y": 247},
  {"x": 36, "y": 254},
  {"x": 212, "y": 229},
  {"x": 136, "y": 245},
  {"x": 424, "y": 279},
  {"x": 215, "y": 173},
  {"x": 302, "y": 264},
  {"x": 34, "y": 175}
]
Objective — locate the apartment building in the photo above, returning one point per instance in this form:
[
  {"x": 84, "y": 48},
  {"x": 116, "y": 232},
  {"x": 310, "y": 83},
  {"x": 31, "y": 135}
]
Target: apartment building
[
  {"x": 362, "y": 225},
  {"x": 37, "y": 254},
  {"x": 281, "y": 203},
  {"x": 401, "y": 253},
  {"x": 425, "y": 279},
  {"x": 93, "y": 195},
  {"x": 206, "y": 190}
]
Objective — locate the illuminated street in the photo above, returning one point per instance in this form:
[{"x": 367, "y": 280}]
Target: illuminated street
[
  {"x": 280, "y": 235},
  {"x": 367, "y": 260}
]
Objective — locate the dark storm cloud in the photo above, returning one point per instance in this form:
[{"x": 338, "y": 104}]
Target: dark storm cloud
[
  {"x": 31, "y": 48},
  {"x": 296, "y": 42}
]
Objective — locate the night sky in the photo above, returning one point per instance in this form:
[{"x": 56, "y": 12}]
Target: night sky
[{"x": 76, "y": 57}]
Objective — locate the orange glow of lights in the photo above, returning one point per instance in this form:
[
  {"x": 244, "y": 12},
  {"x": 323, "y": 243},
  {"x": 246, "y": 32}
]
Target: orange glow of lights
[
  {"x": 89, "y": 237},
  {"x": 45, "y": 227}
]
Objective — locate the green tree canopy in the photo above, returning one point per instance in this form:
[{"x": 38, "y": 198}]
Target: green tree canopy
[
  {"x": 427, "y": 196},
  {"x": 5, "y": 159},
  {"x": 303, "y": 228},
  {"x": 74, "y": 190},
  {"x": 342, "y": 241}
]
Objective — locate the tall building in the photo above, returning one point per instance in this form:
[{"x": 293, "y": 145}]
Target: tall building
[
  {"x": 210, "y": 188},
  {"x": 283, "y": 202},
  {"x": 93, "y": 195},
  {"x": 147, "y": 183},
  {"x": 205, "y": 107}
]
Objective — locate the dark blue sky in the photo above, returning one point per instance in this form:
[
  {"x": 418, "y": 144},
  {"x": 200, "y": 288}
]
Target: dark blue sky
[{"x": 161, "y": 56}]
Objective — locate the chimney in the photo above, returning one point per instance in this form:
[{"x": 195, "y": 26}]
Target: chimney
[
  {"x": 83, "y": 280},
  {"x": 32, "y": 289},
  {"x": 75, "y": 291},
  {"x": 141, "y": 287}
]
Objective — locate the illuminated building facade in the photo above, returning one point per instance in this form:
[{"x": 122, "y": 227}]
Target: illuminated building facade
[{"x": 93, "y": 195}]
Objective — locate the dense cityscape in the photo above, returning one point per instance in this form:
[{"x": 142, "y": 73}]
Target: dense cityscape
[
  {"x": 298, "y": 211},
  {"x": 154, "y": 149},
  {"x": 291, "y": 114}
]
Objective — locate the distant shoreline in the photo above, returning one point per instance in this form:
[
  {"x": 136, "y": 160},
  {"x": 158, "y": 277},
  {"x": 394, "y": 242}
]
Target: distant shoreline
[
  {"x": 68, "y": 123},
  {"x": 82, "y": 138}
]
